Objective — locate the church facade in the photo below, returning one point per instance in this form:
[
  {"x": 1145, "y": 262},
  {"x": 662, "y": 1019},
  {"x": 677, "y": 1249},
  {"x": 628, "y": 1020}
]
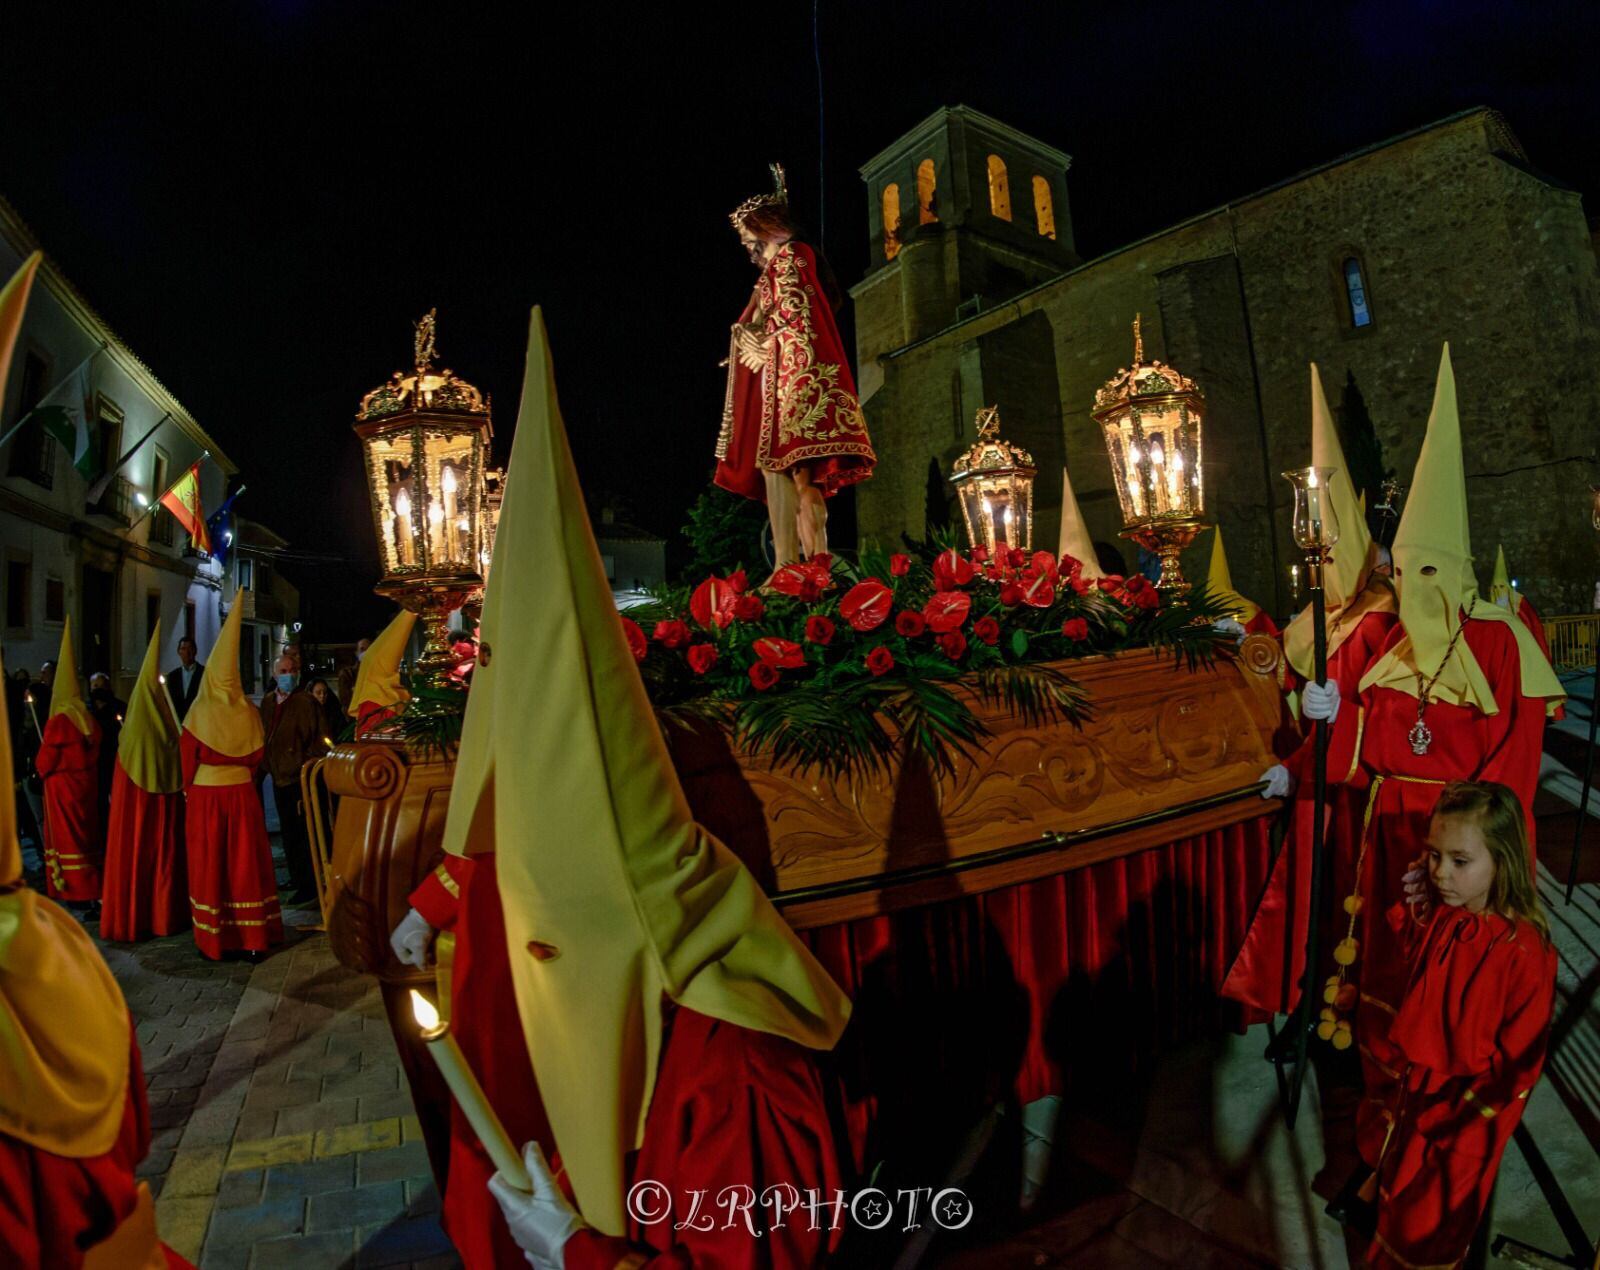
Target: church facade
[{"x": 1364, "y": 265}]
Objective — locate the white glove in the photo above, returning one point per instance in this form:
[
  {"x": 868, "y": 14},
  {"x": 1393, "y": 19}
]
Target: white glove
[
  {"x": 542, "y": 1222},
  {"x": 410, "y": 939},
  {"x": 1279, "y": 783},
  {"x": 1230, "y": 626},
  {"x": 1321, "y": 702}
]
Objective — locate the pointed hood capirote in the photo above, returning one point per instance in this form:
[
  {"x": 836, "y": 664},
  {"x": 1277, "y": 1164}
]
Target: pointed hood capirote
[
  {"x": 1075, "y": 540},
  {"x": 378, "y": 676},
  {"x": 1349, "y": 588},
  {"x": 614, "y": 897},
  {"x": 1436, "y": 583},
  {"x": 148, "y": 746},
  {"x": 1219, "y": 581},
  {"x": 221, "y": 716},
  {"x": 66, "y": 693},
  {"x": 1500, "y": 589}
]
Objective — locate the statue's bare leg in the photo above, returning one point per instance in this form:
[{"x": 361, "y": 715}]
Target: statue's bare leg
[
  {"x": 781, "y": 500},
  {"x": 813, "y": 512}
]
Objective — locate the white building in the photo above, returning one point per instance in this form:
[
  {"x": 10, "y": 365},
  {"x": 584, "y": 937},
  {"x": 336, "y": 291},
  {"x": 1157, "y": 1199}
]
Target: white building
[{"x": 112, "y": 567}]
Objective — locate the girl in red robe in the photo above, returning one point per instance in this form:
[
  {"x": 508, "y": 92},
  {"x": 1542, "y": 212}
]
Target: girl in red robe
[
  {"x": 69, "y": 762},
  {"x": 1471, "y": 1028},
  {"x": 233, "y": 891},
  {"x": 146, "y": 883}
]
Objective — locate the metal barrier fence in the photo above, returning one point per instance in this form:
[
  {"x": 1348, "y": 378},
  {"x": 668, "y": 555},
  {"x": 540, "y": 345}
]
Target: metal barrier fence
[{"x": 1572, "y": 640}]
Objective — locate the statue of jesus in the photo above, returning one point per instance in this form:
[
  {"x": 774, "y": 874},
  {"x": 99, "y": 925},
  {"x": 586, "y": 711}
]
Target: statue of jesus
[{"x": 792, "y": 429}]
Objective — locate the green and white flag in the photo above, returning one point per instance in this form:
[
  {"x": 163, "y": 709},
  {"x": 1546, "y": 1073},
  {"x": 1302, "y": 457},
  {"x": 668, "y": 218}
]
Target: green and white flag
[{"x": 69, "y": 424}]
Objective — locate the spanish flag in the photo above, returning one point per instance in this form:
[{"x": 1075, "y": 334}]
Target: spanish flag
[{"x": 183, "y": 501}]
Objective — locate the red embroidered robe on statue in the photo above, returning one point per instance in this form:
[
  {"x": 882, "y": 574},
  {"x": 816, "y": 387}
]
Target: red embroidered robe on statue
[
  {"x": 802, "y": 407},
  {"x": 1261, "y": 975},
  {"x": 69, "y": 763},
  {"x": 53, "y": 1207},
  {"x": 1471, "y": 1034},
  {"x": 233, "y": 891},
  {"x": 147, "y": 885},
  {"x": 1369, "y": 749}
]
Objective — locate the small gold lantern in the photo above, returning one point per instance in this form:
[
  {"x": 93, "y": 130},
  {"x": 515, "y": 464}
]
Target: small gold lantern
[
  {"x": 994, "y": 480},
  {"x": 424, "y": 436},
  {"x": 1152, "y": 416}
]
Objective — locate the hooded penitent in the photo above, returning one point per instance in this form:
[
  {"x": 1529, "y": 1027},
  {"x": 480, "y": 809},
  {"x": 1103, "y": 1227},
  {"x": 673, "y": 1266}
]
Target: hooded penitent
[
  {"x": 1434, "y": 577},
  {"x": 1219, "y": 582},
  {"x": 66, "y": 695},
  {"x": 148, "y": 746},
  {"x": 614, "y": 897},
  {"x": 378, "y": 676},
  {"x": 1075, "y": 540},
  {"x": 1500, "y": 589},
  {"x": 1348, "y": 571},
  {"x": 222, "y": 716}
]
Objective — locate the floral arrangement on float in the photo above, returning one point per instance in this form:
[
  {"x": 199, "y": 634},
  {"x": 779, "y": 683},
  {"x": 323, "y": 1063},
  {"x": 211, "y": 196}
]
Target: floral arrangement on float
[{"x": 834, "y": 661}]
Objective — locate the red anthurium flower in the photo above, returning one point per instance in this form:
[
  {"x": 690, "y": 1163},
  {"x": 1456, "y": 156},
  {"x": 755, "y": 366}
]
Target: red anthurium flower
[
  {"x": 910, "y": 623},
  {"x": 946, "y": 611},
  {"x": 987, "y": 629},
  {"x": 1044, "y": 562},
  {"x": 1038, "y": 588},
  {"x": 796, "y": 580},
  {"x": 738, "y": 581},
  {"x": 880, "y": 661},
  {"x": 866, "y": 605},
  {"x": 637, "y": 644},
  {"x": 1011, "y": 595},
  {"x": 1075, "y": 628},
  {"x": 712, "y": 602},
  {"x": 899, "y": 565},
  {"x": 749, "y": 608},
  {"x": 951, "y": 569},
  {"x": 952, "y": 644},
  {"x": 763, "y": 675},
  {"x": 673, "y": 634},
  {"x": 702, "y": 657},
  {"x": 819, "y": 630},
  {"x": 785, "y": 654}
]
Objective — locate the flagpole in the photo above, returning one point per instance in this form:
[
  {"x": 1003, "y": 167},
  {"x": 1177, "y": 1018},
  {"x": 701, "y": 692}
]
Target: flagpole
[
  {"x": 156, "y": 502},
  {"x": 98, "y": 489},
  {"x": 60, "y": 384}
]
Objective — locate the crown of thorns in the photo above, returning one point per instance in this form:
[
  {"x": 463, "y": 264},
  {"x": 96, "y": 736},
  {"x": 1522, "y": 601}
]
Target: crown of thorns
[{"x": 778, "y": 197}]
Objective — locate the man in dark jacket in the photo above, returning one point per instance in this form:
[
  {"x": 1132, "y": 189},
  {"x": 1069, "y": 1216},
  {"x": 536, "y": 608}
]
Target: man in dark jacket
[
  {"x": 183, "y": 682},
  {"x": 292, "y": 722}
]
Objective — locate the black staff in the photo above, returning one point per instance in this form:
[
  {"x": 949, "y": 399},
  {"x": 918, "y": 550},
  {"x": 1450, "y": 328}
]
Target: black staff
[{"x": 1588, "y": 753}]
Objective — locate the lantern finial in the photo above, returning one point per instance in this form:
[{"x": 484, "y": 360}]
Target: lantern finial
[
  {"x": 988, "y": 421},
  {"x": 1138, "y": 342},
  {"x": 423, "y": 343}
]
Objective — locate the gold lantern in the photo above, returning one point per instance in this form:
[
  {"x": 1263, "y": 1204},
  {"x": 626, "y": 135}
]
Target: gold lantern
[
  {"x": 424, "y": 437},
  {"x": 1152, "y": 417},
  {"x": 994, "y": 480}
]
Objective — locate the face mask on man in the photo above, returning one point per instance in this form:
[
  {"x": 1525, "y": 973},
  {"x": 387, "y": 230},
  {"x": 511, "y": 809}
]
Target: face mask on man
[{"x": 286, "y": 683}]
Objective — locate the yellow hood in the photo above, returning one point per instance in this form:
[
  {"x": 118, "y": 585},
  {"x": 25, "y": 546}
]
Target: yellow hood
[
  {"x": 221, "y": 716},
  {"x": 378, "y": 675},
  {"x": 148, "y": 746},
  {"x": 1219, "y": 581},
  {"x": 66, "y": 695},
  {"x": 613, "y": 895},
  {"x": 1500, "y": 589},
  {"x": 1075, "y": 540}
]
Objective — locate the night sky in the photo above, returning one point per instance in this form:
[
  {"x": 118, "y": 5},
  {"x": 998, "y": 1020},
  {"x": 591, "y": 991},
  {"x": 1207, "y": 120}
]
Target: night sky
[{"x": 261, "y": 197}]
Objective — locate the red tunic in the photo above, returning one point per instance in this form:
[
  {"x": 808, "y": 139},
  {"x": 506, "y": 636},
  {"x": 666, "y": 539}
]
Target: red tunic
[
  {"x": 146, "y": 882},
  {"x": 731, "y": 1108},
  {"x": 1471, "y": 1034},
  {"x": 53, "y": 1207},
  {"x": 233, "y": 891},
  {"x": 1261, "y": 975},
  {"x": 802, "y": 407},
  {"x": 483, "y": 1019},
  {"x": 69, "y": 762},
  {"x": 1369, "y": 749}
]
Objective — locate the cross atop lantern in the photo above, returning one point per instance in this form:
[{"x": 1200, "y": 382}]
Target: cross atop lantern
[
  {"x": 424, "y": 436},
  {"x": 1152, "y": 417},
  {"x": 994, "y": 480}
]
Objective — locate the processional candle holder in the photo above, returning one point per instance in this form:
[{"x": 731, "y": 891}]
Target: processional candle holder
[
  {"x": 1582, "y": 819},
  {"x": 424, "y": 437},
  {"x": 1316, "y": 532},
  {"x": 1153, "y": 418},
  {"x": 994, "y": 481}
]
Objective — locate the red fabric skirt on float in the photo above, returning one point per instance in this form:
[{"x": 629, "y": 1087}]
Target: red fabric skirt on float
[{"x": 146, "y": 887}]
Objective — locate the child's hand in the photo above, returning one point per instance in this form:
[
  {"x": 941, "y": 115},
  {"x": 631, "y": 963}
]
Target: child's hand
[{"x": 1419, "y": 893}]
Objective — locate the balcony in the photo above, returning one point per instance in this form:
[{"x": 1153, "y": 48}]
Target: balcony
[{"x": 117, "y": 502}]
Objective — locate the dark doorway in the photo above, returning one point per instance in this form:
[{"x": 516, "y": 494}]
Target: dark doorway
[{"x": 99, "y": 604}]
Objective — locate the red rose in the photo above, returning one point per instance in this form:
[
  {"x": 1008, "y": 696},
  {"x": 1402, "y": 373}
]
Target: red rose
[
  {"x": 995, "y": 571},
  {"x": 763, "y": 675},
  {"x": 951, "y": 570},
  {"x": 910, "y": 623},
  {"x": 712, "y": 602},
  {"x": 749, "y": 608},
  {"x": 673, "y": 634},
  {"x": 1070, "y": 564},
  {"x": 978, "y": 554},
  {"x": 1148, "y": 598},
  {"x": 1111, "y": 582},
  {"x": 1038, "y": 588},
  {"x": 637, "y": 644},
  {"x": 823, "y": 564},
  {"x": 1080, "y": 584},
  {"x": 819, "y": 630},
  {"x": 702, "y": 657},
  {"x": 866, "y": 605},
  {"x": 1075, "y": 628},
  {"x": 785, "y": 654},
  {"x": 987, "y": 629},
  {"x": 796, "y": 580},
  {"x": 952, "y": 644},
  {"x": 1011, "y": 595},
  {"x": 946, "y": 611},
  {"x": 1016, "y": 557},
  {"x": 899, "y": 565},
  {"x": 880, "y": 661},
  {"x": 738, "y": 581}
]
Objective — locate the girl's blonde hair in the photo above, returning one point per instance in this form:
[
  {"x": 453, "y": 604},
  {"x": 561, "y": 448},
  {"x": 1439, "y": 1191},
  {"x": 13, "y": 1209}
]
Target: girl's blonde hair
[{"x": 1498, "y": 814}]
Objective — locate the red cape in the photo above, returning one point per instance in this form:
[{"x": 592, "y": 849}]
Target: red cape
[
  {"x": 233, "y": 891},
  {"x": 69, "y": 763},
  {"x": 146, "y": 876}
]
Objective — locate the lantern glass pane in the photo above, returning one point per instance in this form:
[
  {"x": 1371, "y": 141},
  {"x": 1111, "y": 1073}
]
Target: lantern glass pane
[
  {"x": 390, "y": 458},
  {"x": 451, "y": 516}
]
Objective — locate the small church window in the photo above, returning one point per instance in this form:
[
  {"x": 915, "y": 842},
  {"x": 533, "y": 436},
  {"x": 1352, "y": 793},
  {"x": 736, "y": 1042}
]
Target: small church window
[
  {"x": 927, "y": 193},
  {"x": 1356, "y": 287},
  {"x": 1044, "y": 211},
  {"x": 999, "y": 189},
  {"x": 891, "y": 221}
]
